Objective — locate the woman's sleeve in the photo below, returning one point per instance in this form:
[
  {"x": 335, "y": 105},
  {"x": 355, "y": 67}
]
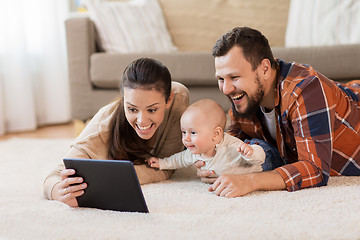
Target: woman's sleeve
[{"x": 150, "y": 175}]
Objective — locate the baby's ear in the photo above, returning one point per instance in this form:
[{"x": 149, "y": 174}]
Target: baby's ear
[{"x": 218, "y": 134}]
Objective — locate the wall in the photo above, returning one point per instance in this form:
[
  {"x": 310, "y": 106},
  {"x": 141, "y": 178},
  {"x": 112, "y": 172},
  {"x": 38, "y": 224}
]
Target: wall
[{"x": 195, "y": 25}]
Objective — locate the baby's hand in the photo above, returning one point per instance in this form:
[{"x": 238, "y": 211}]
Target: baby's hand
[
  {"x": 245, "y": 149},
  {"x": 153, "y": 162}
]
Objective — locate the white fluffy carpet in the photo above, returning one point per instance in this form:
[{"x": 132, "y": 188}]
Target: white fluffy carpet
[{"x": 180, "y": 208}]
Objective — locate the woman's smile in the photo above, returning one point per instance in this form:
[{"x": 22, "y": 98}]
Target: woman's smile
[
  {"x": 144, "y": 110},
  {"x": 144, "y": 129}
]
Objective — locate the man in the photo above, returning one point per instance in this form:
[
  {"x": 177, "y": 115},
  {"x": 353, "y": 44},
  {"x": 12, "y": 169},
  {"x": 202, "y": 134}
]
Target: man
[{"x": 313, "y": 121}]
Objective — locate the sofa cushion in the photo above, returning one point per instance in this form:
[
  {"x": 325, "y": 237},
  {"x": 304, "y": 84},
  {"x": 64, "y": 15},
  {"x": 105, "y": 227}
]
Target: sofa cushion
[
  {"x": 191, "y": 69},
  {"x": 197, "y": 69},
  {"x": 130, "y": 26}
]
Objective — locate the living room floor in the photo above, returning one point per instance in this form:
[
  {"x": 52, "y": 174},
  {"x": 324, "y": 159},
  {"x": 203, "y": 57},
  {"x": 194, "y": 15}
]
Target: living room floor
[{"x": 54, "y": 131}]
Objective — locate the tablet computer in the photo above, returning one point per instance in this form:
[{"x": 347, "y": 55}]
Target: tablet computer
[{"x": 112, "y": 185}]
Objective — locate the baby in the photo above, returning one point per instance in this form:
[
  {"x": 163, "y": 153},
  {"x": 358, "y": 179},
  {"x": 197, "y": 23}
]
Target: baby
[{"x": 202, "y": 127}]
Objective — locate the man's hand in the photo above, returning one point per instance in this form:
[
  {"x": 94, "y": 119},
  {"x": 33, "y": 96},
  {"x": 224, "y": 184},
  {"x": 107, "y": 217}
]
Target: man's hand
[
  {"x": 235, "y": 185},
  {"x": 232, "y": 185},
  {"x": 205, "y": 175}
]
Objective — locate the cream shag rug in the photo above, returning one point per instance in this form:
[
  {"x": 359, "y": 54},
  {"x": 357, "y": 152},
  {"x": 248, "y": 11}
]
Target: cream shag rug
[{"x": 180, "y": 208}]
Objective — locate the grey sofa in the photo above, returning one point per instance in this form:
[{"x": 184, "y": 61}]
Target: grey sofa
[{"x": 95, "y": 75}]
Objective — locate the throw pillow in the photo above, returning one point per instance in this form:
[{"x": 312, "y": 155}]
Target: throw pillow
[{"x": 134, "y": 26}]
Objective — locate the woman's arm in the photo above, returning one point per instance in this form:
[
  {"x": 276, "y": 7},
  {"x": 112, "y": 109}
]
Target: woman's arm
[{"x": 147, "y": 174}]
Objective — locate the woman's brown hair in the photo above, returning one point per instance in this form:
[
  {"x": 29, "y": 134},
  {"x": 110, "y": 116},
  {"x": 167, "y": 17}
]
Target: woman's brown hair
[{"x": 124, "y": 143}]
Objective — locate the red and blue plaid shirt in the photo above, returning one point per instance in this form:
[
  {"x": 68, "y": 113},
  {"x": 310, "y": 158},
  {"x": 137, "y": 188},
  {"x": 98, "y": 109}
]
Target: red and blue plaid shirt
[{"x": 317, "y": 127}]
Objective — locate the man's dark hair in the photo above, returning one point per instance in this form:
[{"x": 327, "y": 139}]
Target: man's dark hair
[{"x": 254, "y": 45}]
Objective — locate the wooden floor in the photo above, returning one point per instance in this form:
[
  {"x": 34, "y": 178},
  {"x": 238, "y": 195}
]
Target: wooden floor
[{"x": 55, "y": 131}]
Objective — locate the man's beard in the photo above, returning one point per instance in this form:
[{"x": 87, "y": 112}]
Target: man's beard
[{"x": 253, "y": 102}]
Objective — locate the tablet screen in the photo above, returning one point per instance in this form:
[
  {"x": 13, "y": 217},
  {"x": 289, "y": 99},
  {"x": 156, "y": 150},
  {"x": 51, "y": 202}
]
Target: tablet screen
[{"x": 112, "y": 185}]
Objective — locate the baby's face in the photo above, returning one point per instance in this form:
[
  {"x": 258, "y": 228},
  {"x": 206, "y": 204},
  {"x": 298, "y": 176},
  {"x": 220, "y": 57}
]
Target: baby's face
[{"x": 197, "y": 134}]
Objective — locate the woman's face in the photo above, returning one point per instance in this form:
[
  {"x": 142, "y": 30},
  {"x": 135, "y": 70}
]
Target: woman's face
[{"x": 144, "y": 110}]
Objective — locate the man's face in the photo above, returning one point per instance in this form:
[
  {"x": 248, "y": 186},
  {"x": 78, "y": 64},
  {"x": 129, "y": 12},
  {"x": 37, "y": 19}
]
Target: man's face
[{"x": 239, "y": 82}]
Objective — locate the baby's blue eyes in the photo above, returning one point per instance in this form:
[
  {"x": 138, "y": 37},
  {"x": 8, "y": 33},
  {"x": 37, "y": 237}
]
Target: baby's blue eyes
[{"x": 192, "y": 132}]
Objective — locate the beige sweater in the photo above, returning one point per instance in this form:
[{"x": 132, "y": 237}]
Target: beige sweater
[{"x": 92, "y": 142}]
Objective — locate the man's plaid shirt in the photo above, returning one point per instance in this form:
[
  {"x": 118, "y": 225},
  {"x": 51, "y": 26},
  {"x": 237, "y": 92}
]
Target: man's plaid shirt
[{"x": 317, "y": 126}]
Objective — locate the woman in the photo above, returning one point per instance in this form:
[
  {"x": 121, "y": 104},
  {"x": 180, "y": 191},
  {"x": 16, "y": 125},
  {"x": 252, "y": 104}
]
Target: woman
[{"x": 144, "y": 122}]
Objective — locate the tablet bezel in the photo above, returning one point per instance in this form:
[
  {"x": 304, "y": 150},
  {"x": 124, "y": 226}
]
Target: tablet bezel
[{"x": 107, "y": 182}]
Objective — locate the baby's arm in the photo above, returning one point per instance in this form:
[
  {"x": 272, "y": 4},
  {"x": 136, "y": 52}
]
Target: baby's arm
[
  {"x": 153, "y": 162},
  {"x": 245, "y": 158},
  {"x": 175, "y": 161},
  {"x": 253, "y": 154},
  {"x": 245, "y": 149}
]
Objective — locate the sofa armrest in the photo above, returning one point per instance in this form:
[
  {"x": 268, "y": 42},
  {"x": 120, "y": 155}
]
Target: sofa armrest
[{"x": 80, "y": 38}]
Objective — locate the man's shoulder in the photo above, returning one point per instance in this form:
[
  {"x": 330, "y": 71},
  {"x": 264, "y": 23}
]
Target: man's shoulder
[{"x": 296, "y": 78}]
